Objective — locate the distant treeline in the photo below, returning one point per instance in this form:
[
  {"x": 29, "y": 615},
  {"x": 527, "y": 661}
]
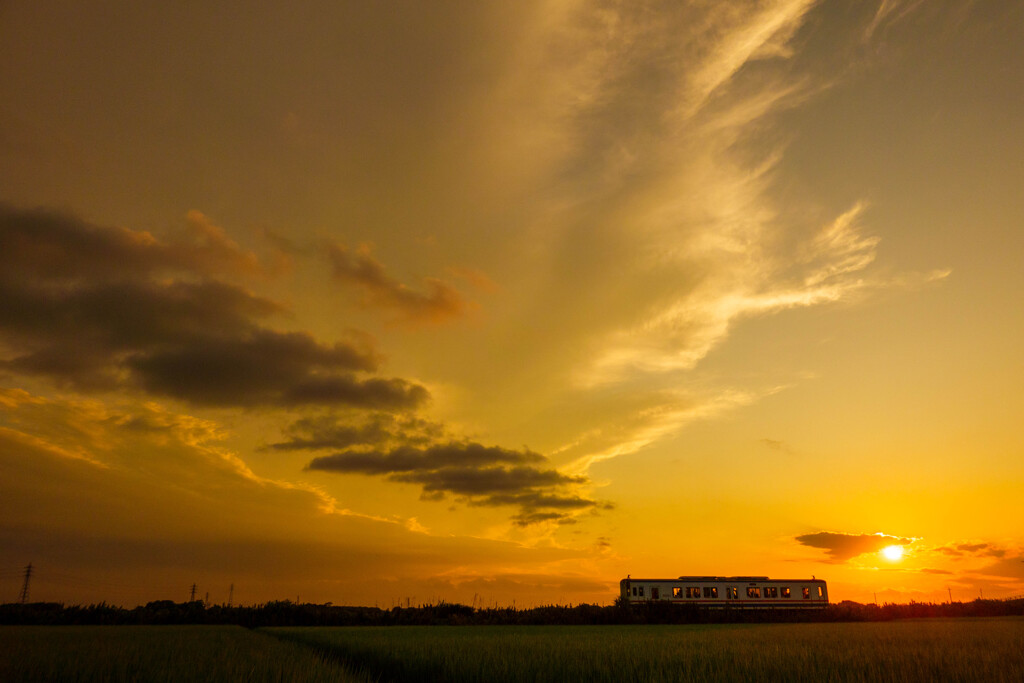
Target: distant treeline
[{"x": 287, "y": 613}]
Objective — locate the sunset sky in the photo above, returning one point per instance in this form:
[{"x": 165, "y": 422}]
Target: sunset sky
[{"x": 488, "y": 302}]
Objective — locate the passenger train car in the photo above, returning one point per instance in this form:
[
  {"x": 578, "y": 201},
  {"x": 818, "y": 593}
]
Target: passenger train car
[{"x": 728, "y": 591}]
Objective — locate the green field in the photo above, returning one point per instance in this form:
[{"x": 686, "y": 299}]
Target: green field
[
  {"x": 987, "y": 649},
  {"x": 157, "y": 653},
  {"x": 925, "y": 650}
]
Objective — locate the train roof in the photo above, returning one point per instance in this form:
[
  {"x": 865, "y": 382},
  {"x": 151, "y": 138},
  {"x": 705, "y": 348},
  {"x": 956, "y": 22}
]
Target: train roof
[{"x": 722, "y": 579}]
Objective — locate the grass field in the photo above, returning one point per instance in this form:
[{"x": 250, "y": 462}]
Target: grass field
[
  {"x": 157, "y": 653},
  {"x": 926, "y": 650}
]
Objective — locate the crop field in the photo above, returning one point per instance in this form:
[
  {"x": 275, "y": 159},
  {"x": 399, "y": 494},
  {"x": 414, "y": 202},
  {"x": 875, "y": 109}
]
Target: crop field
[
  {"x": 157, "y": 653},
  {"x": 926, "y": 650},
  {"x": 986, "y": 649}
]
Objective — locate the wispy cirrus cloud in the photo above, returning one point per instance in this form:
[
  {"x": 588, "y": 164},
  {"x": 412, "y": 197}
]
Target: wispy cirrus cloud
[
  {"x": 683, "y": 332},
  {"x": 741, "y": 35},
  {"x": 674, "y": 231},
  {"x": 181, "y": 450},
  {"x": 644, "y": 426},
  {"x": 890, "y": 12}
]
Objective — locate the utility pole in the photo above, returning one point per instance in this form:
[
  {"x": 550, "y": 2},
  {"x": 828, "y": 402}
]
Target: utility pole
[
  {"x": 24, "y": 587},
  {"x": 192, "y": 598},
  {"x": 231, "y": 594},
  {"x": 950, "y": 591}
]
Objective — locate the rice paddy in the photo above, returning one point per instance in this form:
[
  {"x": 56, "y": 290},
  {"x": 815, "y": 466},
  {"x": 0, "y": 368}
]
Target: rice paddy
[
  {"x": 97, "y": 654},
  {"x": 925, "y": 650},
  {"x": 985, "y": 649}
]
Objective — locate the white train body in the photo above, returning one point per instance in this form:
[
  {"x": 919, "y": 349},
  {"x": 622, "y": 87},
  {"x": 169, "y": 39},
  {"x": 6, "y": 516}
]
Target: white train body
[{"x": 728, "y": 591}]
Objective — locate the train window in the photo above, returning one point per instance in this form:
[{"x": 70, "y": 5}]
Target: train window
[
  {"x": 655, "y": 593},
  {"x": 634, "y": 591},
  {"x": 785, "y": 591},
  {"x": 771, "y": 592},
  {"x": 733, "y": 592},
  {"x": 641, "y": 589},
  {"x": 693, "y": 592},
  {"x": 710, "y": 591},
  {"x": 807, "y": 593},
  {"x": 821, "y": 593},
  {"x": 753, "y": 592},
  {"x": 677, "y": 592}
]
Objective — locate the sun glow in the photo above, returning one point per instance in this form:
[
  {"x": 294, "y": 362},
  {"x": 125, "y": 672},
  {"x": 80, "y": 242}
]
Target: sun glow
[{"x": 893, "y": 553}]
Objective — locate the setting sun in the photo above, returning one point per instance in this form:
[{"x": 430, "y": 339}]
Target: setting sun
[{"x": 893, "y": 553}]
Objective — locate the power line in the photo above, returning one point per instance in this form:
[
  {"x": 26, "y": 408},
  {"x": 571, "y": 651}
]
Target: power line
[{"x": 24, "y": 587}]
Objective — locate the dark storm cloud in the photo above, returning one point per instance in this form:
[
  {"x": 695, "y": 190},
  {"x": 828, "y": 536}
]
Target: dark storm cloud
[
  {"x": 1005, "y": 567},
  {"x": 127, "y": 314},
  {"x": 545, "y": 500},
  {"x": 538, "y": 506},
  {"x": 440, "y": 302},
  {"x": 840, "y": 546},
  {"x": 408, "y": 459},
  {"x": 270, "y": 368},
  {"x": 495, "y": 482},
  {"x": 379, "y": 429},
  {"x": 50, "y": 244},
  {"x": 99, "y": 307},
  {"x": 483, "y": 475},
  {"x": 527, "y": 518},
  {"x": 83, "y": 334},
  {"x": 975, "y": 549}
]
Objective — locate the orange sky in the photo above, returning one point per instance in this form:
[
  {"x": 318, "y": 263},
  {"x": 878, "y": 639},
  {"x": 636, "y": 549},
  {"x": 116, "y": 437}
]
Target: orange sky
[{"x": 487, "y": 302}]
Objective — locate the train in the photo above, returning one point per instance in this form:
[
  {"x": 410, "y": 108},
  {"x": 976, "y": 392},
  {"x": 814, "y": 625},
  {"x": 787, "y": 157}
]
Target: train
[{"x": 728, "y": 592}]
